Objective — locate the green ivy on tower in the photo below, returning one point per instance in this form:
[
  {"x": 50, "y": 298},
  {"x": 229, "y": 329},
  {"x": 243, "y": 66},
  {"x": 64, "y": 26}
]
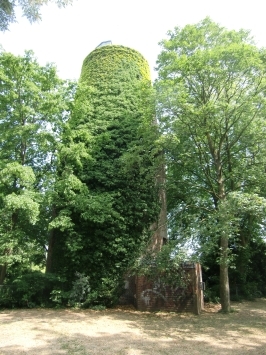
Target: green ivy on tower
[{"x": 107, "y": 198}]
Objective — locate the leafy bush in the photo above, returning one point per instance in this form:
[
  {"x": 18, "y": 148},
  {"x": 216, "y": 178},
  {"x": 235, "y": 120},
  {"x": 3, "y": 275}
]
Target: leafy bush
[
  {"x": 37, "y": 289},
  {"x": 212, "y": 294},
  {"x": 30, "y": 290},
  {"x": 106, "y": 295},
  {"x": 59, "y": 297},
  {"x": 81, "y": 289},
  {"x": 250, "y": 291},
  {"x": 166, "y": 266},
  {"x": 6, "y": 296}
]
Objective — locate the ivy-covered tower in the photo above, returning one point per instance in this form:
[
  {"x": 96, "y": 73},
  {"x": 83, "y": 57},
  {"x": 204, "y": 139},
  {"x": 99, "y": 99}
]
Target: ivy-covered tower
[
  {"x": 104, "y": 66},
  {"x": 113, "y": 135}
]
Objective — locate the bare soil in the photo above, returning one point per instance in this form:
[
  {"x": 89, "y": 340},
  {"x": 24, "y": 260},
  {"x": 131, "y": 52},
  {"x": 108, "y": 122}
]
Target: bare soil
[{"x": 125, "y": 331}]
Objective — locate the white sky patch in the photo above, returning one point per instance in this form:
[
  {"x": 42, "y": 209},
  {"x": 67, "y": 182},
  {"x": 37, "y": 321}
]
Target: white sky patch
[{"x": 66, "y": 36}]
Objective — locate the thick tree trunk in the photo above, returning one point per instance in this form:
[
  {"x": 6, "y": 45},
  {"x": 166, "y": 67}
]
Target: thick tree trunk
[
  {"x": 224, "y": 279},
  {"x": 2, "y": 273},
  {"x": 221, "y": 195}
]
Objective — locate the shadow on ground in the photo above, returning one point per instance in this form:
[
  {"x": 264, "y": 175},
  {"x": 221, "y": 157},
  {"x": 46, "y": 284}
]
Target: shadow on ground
[{"x": 128, "y": 332}]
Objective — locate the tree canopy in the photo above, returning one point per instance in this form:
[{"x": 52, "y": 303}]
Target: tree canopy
[
  {"x": 211, "y": 106},
  {"x": 82, "y": 172},
  {"x": 34, "y": 104},
  {"x": 30, "y": 9}
]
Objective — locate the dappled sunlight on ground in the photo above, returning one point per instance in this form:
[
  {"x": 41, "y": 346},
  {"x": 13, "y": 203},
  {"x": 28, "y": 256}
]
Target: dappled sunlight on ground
[{"x": 124, "y": 331}]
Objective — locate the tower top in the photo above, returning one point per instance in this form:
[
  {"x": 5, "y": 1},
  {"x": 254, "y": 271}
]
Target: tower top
[
  {"x": 105, "y": 43},
  {"x": 107, "y": 61}
]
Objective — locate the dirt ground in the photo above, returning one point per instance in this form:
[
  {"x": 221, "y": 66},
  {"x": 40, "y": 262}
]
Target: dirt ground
[{"x": 128, "y": 332}]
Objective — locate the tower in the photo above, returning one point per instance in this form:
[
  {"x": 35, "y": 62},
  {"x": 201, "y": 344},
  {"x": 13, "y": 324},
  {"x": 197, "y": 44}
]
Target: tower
[
  {"x": 100, "y": 69},
  {"x": 113, "y": 124}
]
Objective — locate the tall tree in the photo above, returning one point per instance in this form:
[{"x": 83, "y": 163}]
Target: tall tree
[
  {"x": 30, "y": 9},
  {"x": 211, "y": 105},
  {"x": 33, "y": 106}
]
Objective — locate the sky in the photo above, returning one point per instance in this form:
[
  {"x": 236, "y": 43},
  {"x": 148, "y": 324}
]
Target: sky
[{"x": 66, "y": 36}]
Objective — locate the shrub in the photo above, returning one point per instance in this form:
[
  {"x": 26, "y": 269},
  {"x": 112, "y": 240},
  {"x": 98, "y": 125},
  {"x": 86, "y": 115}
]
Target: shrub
[
  {"x": 30, "y": 290},
  {"x": 6, "y": 296},
  {"x": 106, "y": 295},
  {"x": 165, "y": 266},
  {"x": 80, "y": 289}
]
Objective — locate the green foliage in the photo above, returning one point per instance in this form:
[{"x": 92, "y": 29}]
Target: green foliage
[
  {"x": 211, "y": 106},
  {"x": 30, "y": 9},
  {"x": 6, "y": 299},
  {"x": 59, "y": 297},
  {"x": 30, "y": 290},
  {"x": 104, "y": 64},
  {"x": 106, "y": 294},
  {"x": 80, "y": 289},
  {"x": 165, "y": 266},
  {"x": 211, "y": 294},
  {"x": 74, "y": 297},
  {"x": 34, "y": 105},
  {"x": 19, "y": 209},
  {"x": 106, "y": 171}
]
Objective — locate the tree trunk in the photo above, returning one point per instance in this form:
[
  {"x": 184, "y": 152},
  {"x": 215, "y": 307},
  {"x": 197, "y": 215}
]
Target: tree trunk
[{"x": 224, "y": 279}]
